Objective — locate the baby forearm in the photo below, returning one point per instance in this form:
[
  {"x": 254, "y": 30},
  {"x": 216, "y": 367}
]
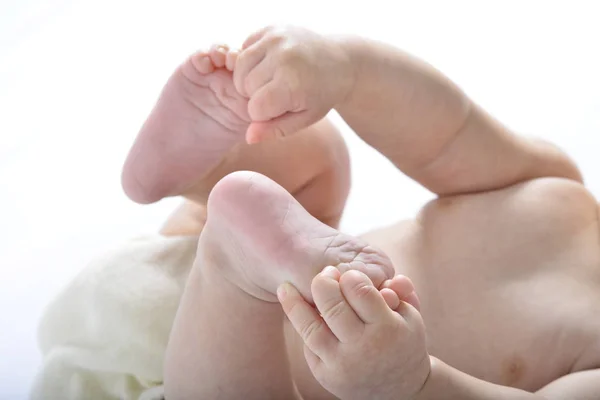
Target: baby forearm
[
  {"x": 400, "y": 105},
  {"x": 447, "y": 383},
  {"x": 428, "y": 127}
]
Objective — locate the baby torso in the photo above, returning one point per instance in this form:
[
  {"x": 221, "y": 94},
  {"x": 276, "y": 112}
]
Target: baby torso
[{"x": 509, "y": 281}]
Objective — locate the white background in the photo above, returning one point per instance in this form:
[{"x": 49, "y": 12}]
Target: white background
[{"x": 78, "y": 78}]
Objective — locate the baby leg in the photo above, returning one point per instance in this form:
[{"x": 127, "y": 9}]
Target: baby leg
[{"x": 228, "y": 338}]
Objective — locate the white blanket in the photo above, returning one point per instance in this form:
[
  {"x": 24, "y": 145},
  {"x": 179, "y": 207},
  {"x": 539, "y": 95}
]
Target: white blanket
[{"x": 105, "y": 335}]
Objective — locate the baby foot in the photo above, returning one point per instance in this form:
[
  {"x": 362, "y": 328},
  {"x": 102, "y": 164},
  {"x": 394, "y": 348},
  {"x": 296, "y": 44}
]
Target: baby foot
[
  {"x": 197, "y": 119},
  {"x": 258, "y": 236},
  {"x": 356, "y": 346}
]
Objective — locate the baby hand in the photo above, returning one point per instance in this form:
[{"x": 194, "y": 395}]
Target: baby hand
[
  {"x": 355, "y": 345},
  {"x": 293, "y": 78}
]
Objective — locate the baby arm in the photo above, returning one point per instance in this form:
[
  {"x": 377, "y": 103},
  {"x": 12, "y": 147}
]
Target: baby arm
[
  {"x": 432, "y": 131},
  {"x": 363, "y": 343},
  {"x": 401, "y": 106},
  {"x": 447, "y": 383}
]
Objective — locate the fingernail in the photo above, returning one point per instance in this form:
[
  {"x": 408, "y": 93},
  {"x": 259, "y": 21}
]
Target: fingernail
[
  {"x": 281, "y": 292},
  {"x": 329, "y": 271}
]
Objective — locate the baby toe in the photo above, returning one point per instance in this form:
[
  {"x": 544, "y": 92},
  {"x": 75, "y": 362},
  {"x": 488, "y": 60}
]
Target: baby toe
[
  {"x": 202, "y": 63},
  {"x": 231, "y": 59},
  {"x": 218, "y": 55}
]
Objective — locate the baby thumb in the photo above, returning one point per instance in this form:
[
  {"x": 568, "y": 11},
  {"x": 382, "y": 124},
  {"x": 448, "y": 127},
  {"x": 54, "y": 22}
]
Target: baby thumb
[{"x": 285, "y": 125}]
